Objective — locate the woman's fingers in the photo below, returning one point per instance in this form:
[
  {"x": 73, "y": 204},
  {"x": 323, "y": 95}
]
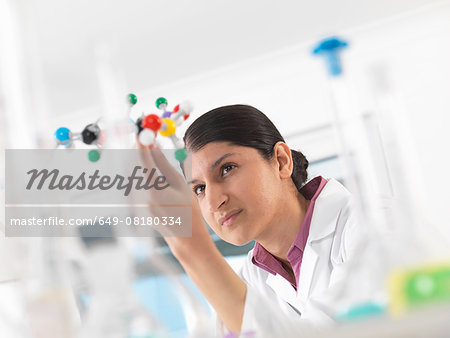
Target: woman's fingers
[
  {"x": 153, "y": 157},
  {"x": 173, "y": 177},
  {"x": 146, "y": 156}
]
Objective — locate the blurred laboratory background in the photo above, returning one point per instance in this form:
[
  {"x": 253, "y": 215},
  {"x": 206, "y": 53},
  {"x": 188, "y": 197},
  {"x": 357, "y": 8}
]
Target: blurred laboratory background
[{"x": 66, "y": 63}]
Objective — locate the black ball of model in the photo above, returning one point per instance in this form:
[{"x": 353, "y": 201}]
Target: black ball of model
[
  {"x": 139, "y": 125},
  {"x": 90, "y": 133}
]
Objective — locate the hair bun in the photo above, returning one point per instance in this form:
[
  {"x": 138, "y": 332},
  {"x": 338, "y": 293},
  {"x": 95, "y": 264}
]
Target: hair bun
[{"x": 300, "y": 172}]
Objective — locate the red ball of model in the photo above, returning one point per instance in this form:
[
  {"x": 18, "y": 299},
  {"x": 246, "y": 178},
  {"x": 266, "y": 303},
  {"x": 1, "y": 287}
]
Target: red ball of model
[{"x": 152, "y": 122}]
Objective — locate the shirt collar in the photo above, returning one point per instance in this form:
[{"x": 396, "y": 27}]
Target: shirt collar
[{"x": 263, "y": 259}]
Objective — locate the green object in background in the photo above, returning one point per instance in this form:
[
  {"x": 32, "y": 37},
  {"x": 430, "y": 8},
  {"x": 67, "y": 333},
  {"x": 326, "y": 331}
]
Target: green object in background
[
  {"x": 418, "y": 287},
  {"x": 160, "y": 101},
  {"x": 132, "y": 99},
  {"x": 94, "y": 155},
  {"x": 424, "y": 287}
]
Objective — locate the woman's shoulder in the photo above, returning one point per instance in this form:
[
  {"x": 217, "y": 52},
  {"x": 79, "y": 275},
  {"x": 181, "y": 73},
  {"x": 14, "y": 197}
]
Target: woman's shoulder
[
  {"x": 336, "y": 213},
  {"x": 332, "y": 208},
  {"x": 335, "y": 189}
]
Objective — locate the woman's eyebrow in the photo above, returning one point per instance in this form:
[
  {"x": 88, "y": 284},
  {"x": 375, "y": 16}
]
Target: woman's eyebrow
[
  {"x": 220, "y": 159},
  {"x": 215, "y": 164}
]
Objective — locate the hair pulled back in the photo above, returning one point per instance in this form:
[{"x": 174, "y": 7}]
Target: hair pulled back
[{"x": 245, "y": 126}]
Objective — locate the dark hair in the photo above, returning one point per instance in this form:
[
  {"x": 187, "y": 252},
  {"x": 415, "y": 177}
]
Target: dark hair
[{"x": 245, "y": 126}]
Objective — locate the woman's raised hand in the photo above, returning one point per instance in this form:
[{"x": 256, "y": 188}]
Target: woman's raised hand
[
  {"x": 198, "y": 254},
  {"x": 176, "y": 200}
]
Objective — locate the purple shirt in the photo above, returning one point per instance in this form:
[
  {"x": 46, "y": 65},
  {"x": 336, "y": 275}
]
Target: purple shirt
[{"x": 263, "y": 259}]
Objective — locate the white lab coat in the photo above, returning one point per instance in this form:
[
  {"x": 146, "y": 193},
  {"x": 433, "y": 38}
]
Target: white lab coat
[{"x": 272, "y": 305}]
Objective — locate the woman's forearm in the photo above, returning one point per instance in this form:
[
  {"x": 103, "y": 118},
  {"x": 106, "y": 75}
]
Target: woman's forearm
[{"x": 217, "y": 281}]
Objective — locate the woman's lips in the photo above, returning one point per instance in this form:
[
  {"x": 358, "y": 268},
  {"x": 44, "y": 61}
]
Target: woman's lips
[{"x": 229, "y": 219}]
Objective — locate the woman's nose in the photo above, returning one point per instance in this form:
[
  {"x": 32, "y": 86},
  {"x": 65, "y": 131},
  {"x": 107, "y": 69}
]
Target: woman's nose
[{"x": 216, "y": 197}]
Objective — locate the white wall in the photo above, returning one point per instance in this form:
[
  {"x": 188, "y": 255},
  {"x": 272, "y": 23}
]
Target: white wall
[{"x": 291, "y": 87}]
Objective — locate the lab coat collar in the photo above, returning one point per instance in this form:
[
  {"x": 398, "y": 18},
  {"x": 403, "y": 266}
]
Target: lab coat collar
[
  {"x": 333, "y": 198},
  {"x": 330, "y": 202}
]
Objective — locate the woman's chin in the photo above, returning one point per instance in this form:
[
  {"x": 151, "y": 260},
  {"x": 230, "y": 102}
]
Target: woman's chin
[{"x": 238, "y": 241}]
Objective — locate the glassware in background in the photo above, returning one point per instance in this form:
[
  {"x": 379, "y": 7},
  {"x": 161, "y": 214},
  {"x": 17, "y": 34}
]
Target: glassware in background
[{"x": 380, "y": 170}]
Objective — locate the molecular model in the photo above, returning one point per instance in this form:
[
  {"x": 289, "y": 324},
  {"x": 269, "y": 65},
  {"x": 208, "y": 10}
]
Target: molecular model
[
  {"x": 147, "y": 127},
  {"x": 91, "y": 134}
]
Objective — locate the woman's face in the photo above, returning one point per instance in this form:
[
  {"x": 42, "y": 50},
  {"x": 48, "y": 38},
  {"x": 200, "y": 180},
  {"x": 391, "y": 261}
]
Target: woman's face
[{"x": 237, "y": 190}]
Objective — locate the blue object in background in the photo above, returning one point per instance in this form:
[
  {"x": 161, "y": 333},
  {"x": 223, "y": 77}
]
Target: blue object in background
[
  {"x": 330, "y": 49},
  {"x": 157, "y": 294},
  {"x": 362, "y": 311}
]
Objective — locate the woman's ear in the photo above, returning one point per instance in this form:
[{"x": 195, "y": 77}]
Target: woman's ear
[{"x": 283, "y": 157}]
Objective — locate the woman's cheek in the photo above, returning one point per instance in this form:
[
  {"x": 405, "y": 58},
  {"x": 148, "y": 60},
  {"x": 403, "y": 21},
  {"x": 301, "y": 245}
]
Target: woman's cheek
[
  {"x": 212, "y": 224},
  {"x": 215, "y": 228}
]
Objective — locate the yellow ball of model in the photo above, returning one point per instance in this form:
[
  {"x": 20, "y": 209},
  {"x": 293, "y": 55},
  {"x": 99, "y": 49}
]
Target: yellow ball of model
[{"x": 168, "y": 127}]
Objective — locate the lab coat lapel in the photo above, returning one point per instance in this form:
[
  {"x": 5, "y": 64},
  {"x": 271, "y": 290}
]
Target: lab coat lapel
[
  {"x": 323, "y": 223},
  {"x": 282, "y": 288},
  {"x": 309, "y": 263}
]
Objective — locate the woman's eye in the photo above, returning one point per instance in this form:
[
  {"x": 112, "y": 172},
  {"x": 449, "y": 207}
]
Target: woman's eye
[
  {"x": 198, "y": 189},
  {"x": 227, "y": 168}
]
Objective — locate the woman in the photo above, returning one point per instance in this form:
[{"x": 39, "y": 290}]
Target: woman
[{"x": 248, "y": 186}]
